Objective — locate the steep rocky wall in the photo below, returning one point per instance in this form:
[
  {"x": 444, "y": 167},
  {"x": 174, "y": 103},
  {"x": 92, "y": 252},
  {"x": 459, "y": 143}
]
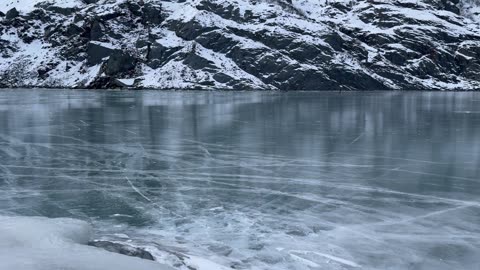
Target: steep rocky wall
[{"x": 240, "y": 44}]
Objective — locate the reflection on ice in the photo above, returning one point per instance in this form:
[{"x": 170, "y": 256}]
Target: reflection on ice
[{"x": 253, "y": 181}]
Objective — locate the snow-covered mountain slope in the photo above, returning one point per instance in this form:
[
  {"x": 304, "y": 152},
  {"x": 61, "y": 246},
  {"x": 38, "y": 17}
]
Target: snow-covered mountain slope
[
  {"x": 470, "y": 8},
  {"x": 241, "y": 44}
]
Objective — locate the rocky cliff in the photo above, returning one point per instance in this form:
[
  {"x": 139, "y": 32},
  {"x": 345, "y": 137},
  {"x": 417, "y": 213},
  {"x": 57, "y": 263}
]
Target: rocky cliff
[{"x": 241, "y": 44}]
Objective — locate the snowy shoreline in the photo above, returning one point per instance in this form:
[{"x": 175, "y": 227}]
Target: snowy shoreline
[{"x": 39, "y": 243}]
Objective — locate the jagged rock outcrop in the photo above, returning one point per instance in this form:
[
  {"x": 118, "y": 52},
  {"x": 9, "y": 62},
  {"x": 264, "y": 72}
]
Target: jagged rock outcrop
[
  {"x": 11, "y": 14},
  {"x": 122, "y": 249},
  {"x": 241, "y": 44}
]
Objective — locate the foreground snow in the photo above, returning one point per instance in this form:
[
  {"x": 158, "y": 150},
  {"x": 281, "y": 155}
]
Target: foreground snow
[{"x": 37, "y": 243}]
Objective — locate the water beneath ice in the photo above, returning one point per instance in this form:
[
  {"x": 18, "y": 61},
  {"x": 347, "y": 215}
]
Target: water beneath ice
[{"x": 254, "y": 180}]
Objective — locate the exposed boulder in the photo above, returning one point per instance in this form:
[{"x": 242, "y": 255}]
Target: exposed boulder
[
  {"x": 73, "y": 30},
  {"x": 38, "y": 15},
  {"x": 134, "y": 7},
  {"x": 122, "y": 249},
  {"x": 152, "y": 14},
  {"x": 197, "y": 62},
  {"x": 12, "y": 14},
  {"x": 97, "y": 30},
  {"x": 230, "y": 12},
  {"x": 159, "y": 54},
  {"x": 222, "y": 78},
  {"x": 97, "y": 52},
  {"x": 190, "y": 30},
  {"x": 43, "y": 71},
  {"x": 120, "y": 62},
  {"x": 449, "y": 5},
  {"x": 102, "y": 82},
  {"x": 61, "y": 10}
]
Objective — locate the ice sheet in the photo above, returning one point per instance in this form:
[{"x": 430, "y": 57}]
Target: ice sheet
[{"x": 253, "y": 180}]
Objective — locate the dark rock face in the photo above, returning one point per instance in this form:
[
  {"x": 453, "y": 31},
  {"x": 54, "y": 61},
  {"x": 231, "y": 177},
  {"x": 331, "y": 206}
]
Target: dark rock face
[
  {"x": 449, "y": 5},
  {"x": 96, "y": 31},
  {"x": 197, "y": 62},
  {"x": 122, "y": 249},
  {"x": 96, "y": 52},
  {"x": 152, "y": 14},
  {"x": 73, "y": 30},
  {"x": 158, "y": 54},
  {"x": 12, "y": 14},
  {"x": 61, "y": 10},
  {"x": 286, "y": 45},
  {"x": 120, "y": 62}
]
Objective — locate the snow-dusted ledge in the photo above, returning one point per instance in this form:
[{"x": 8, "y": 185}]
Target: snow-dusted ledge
[{"x": 37, "y": 243}]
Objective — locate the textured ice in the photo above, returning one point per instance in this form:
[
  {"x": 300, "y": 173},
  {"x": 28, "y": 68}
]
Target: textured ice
[
  {"x": 253, "y": 180},
  {"x": 38, "y": 243}
]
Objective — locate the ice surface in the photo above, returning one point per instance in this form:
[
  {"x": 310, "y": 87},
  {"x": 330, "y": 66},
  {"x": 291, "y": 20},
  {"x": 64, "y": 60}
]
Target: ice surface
[
  {"x": 38, "y": 243},
  {"x": 253, "y": 180}
]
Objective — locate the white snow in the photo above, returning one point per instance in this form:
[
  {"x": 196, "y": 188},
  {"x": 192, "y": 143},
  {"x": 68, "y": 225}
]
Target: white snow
[
  {"x": 104, "y": 44},
  {"x": 29, "y": 5},
  {"x": 20, "y": 5},
  {"x": 38, "y": 243},
  {"x": 170, "y": 39},
  {"x": 127, "y": 82},
  {"x": 471, "y": 9}
]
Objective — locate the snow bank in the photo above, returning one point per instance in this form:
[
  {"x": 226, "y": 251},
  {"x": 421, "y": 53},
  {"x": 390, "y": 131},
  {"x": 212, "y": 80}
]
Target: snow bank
[
  {"x": 29, "y": 5},
  {"x": 471, "y": 9},
  {"x": 36, "y": 243},
  {"x": 20, "y": 5}
]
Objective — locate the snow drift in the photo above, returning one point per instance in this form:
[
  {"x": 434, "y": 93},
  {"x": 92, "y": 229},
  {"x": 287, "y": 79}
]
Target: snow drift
[{"x": 37, "y": 243}]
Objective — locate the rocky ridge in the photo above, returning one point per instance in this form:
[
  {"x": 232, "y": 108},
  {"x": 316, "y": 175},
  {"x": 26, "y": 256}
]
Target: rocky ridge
[{"x": 241, "y": 44}]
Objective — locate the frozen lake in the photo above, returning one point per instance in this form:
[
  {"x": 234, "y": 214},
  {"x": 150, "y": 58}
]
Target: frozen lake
[{"x": 253, "y": 180}]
